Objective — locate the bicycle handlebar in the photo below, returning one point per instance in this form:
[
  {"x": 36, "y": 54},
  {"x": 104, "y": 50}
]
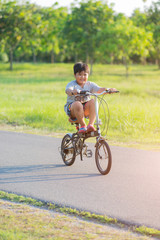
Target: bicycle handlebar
[{"x": 83, "y": 92}]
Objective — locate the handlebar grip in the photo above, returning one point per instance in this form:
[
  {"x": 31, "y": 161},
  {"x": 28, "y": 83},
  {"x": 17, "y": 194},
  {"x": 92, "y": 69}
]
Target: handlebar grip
[
  {"x": 116, "y": 91},
  {"x": 108, "y": 91}
]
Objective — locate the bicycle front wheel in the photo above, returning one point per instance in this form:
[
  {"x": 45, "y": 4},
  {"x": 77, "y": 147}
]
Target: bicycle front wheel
[
  {"x": 103, "y": 157},
  {"x": 67, "y": 150}
]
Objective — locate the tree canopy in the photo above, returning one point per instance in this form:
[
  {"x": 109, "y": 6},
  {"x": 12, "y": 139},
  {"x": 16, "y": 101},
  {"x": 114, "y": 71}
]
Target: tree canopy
[{"x": 89, "y": 31}]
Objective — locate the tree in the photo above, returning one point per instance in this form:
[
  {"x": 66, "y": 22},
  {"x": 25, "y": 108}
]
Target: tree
[
  {"x": 108, "y": 44},
  {"x": 34, "y": 30},
  {"x": 153, "y": 17},
  {"x": 83, "y": 25},
  {"x": 13, "y": 26},
  {"x": 131, "y": 40},
  {"x": 139, "y": 18},
  {"x": 53, "y": 19}
]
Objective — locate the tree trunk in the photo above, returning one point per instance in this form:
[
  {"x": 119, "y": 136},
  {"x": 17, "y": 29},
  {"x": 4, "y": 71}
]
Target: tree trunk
[
  {"x": 91, "y": 68},
  {"x": 126, "y": 65},
  {"x": 156, "y": 61},
  {"x": 75, "y": 57},
  {"x": 87, "y": 57},
  {"x": 143, "y": 60},
  {"x": 112, "y": 58},
  {"x": 127, "y": 70},
  {"x": 159, "y": 63},
  {"x": 11, "y": 59},
  {"x": 34, "y": 57},
  {"x": 158, "y": 58},
  {"x": 52, "y": 56}
]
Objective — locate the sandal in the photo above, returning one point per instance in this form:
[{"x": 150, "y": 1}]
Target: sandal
[
  {"x": 82, "y": 129},
  {"x": 90, "y": 128}
]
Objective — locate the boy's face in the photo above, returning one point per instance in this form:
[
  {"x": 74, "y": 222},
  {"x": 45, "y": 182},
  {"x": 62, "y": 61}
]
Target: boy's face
[{"x": 81, "y": 78}]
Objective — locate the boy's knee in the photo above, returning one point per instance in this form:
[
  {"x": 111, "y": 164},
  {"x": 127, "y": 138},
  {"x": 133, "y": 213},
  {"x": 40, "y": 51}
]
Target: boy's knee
[
  {"x": 91, "y": 103},
  {"x": 77, "y": 106}
]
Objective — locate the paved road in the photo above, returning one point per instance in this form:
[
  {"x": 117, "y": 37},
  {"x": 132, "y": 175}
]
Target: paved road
[{"x": 31, "y": 165}]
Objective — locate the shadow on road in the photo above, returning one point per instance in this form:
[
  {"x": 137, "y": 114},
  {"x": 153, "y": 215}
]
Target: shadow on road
[
  {"x": 28, "y": 168},
  {"x": 33, "y": 173}
]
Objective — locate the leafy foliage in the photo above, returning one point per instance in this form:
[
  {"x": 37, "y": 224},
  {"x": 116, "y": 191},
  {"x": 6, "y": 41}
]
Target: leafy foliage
[{"x": 90, "y": 31}]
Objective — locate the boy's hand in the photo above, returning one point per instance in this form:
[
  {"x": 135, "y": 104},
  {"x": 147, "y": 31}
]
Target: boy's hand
[
  {"x": 75, "y": 92},
  {"x": 112, "y": 90},
  {"x": 71, "y": 92}
]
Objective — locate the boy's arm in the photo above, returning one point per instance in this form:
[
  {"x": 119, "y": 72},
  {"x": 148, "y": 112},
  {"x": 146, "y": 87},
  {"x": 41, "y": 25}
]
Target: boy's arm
[
  {"x": 104, "y": 89},
  {"x": 96, "y": 89}
]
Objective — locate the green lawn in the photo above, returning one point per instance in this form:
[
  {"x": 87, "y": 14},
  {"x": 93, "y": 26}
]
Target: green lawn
[{"x": 33, "y": 95}]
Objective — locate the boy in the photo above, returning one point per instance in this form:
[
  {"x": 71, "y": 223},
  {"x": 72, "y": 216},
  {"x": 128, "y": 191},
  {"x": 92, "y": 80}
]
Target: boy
[{"x": 76, "y": 108}]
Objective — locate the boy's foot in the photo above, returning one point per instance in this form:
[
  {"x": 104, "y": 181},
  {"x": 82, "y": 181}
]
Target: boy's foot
[
  {"x": 83, "y": 129},
  {"x": 90, "y": 128}
]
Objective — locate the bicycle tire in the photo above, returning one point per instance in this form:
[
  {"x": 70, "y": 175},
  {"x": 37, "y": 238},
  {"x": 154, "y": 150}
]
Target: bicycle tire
[
  {"x": 67, "y": 150},
  {"x": 103, "y": 157}
]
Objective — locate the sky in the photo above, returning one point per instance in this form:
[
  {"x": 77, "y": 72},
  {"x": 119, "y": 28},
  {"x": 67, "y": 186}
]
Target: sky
[{"x": 124, "y": 6}]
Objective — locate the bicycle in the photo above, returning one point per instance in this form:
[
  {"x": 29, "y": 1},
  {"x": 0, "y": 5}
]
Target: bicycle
[{"x": 73, "y": 144}]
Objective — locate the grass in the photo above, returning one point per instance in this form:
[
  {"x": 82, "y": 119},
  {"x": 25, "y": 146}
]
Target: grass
[
  {"x": 33, "y": 96},
  {"x": 21, "y": 221},
  {"x": 50, "y": 206}
]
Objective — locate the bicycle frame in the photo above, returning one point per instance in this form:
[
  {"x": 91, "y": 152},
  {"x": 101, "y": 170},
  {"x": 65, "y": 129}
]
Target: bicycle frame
[{"x": 98, "y": 122}]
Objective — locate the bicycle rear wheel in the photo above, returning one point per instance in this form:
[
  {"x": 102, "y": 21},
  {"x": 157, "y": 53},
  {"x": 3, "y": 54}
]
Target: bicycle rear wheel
[
  {"x": 67, "y": 150},
  {"x": 103, "y": 157}
]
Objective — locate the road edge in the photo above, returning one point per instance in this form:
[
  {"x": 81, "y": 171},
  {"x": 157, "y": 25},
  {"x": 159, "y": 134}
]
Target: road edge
[{"x": 102, "y": 219}]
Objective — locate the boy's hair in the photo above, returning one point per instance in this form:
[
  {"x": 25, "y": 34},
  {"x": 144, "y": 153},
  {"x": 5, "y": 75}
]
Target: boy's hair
[{"x": 80, "y": 66}]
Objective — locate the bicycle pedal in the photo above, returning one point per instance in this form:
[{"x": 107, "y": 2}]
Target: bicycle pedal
[{"x": 89, "y": 153}]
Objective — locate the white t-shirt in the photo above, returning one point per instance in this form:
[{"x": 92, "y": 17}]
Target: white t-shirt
[{"x": 89, "y": 86}]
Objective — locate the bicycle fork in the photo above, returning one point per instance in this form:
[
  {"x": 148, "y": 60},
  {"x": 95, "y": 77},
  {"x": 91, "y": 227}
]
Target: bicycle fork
[{"x": 98, "y": 121}]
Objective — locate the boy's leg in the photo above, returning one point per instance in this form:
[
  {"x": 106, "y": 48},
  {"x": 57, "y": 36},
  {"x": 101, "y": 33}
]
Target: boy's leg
[
  {"x": 90, "y": 111},
  {"x": 77, "y": 112}
]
